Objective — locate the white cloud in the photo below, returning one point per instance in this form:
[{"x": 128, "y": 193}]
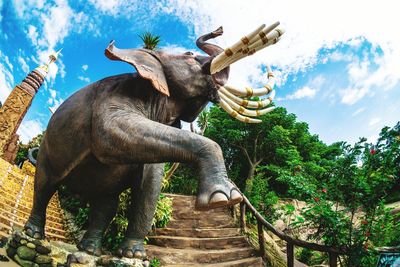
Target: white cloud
[
  {"x": 53, "y": 22},
  {"x": 309, "y": 27},
  {"x": 53, "y": 100},
  {"x": 23, "y": 64},
  {"x": 6, "y": 79},
  {"x": 352, "y": 95},
  {"x": 29, "y": 129},
  {"x": 53, "y": 93},
  {"x": 176, "y": 49},
  {"x": 374, "y": 121},
  {"x": 85, "y": 67},
  {"x": 33, "y": 34},
  {"x": 305, "y": 92},
  {"x": 84, "y": 79},
  {"x": 358, "y": 111}
]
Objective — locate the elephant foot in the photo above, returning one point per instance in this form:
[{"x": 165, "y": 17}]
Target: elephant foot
[
  {"x": 91, "y": 246},
  {"x": 34, "y": 229},
  {"x": 218, "y": 196},
  {"x": 132, "y": 248}
]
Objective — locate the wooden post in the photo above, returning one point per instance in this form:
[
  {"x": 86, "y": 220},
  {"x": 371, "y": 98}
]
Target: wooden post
[
  {"x": 243, "y": 217},
  {"x": 290, "y": 254},
  {"x": 333, "y": 259},
  {"x": 261, "y": 240}
]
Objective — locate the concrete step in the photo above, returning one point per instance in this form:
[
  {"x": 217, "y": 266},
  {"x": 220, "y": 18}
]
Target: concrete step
[
  {"x": 202, "y": 223},
  {"x": 193, "y": 256},
  {"x": 191, "y": 213},
  {"x": 249, "y": 262},
  {"x": 198, "y": 243},
  {"x": 198, "y": 232}
]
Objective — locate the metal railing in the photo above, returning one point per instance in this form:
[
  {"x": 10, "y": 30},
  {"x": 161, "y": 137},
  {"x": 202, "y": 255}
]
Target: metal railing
[{"x": 290, "y": 241}]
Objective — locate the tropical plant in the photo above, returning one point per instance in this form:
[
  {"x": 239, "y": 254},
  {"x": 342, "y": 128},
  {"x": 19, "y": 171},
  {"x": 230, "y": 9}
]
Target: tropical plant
[{"x": 150, "y": 41}]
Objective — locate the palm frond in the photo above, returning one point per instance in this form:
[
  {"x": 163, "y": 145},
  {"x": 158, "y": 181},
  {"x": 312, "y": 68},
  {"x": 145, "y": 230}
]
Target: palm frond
[{"x": 150, "y": 41}]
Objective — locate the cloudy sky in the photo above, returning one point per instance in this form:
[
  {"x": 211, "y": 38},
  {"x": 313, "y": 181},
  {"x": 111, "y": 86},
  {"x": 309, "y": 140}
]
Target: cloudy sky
[{"x": 338, "y": 64}]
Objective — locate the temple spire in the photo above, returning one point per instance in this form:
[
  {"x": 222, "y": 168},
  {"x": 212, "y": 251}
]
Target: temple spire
[
  {"x": 52, "y": 58},
  {"x": 16, "y": 106}
]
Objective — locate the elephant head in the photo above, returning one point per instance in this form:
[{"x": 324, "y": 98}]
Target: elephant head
[{"x": 198, "y": 79}]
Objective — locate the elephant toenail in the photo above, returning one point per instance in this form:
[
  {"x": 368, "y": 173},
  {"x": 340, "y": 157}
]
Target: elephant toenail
[
  {"x": 236, "y": 196},
  {"x": 219, "y": 198},
  {"x": 138, "y": 254},
  {"x": 128, "y": 254}
]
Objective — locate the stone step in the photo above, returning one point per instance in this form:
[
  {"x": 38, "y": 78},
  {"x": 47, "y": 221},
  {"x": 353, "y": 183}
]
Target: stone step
[
  {"x": 198, "y": 243},
  {"x": 198, "y": 232},
  {"x": 216, "y": 217},
  {"x": 193, "y": 256},
  {"x": 179, "y": 213},
  {"x": 180, "y": 197},
  {"x": 249, "y": 262},
  {"x": 209, "y": 223}
]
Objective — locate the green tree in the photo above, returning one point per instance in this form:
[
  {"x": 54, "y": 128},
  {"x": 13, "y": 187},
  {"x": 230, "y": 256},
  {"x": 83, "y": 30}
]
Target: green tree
[
  {"x": 23, "y": 149},
  {"x": 150, "y": 41},
  {"x": 280, "y": 148}
]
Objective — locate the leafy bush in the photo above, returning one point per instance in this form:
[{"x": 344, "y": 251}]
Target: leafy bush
[
  {"x": 163, "y": 212},
  {"x": 182, "y": 182},
  {"x": 349, "y": 213},
  {"x": 262, "y": 198},
  {"x": 116, "y": 230}
]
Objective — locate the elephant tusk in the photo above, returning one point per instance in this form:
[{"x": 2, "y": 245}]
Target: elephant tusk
[
  {"x": 222, "y": 57},
  {"x": 249, "y": 92},
  {"x": 248, "y": 103},
  {"x": 258, "y": 44},
  {"x": 236, "y": 115},
  {"x": 264, "y": 32},
  {"x": 244, "y": 111}
]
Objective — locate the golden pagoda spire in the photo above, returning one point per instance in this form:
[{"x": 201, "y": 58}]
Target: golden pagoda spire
[
  {"x": 17, "y": 104},
  {"x": 52, "y": 58}
]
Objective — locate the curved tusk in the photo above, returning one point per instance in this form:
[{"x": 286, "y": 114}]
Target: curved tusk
[
  {"x": 248, "y": 92},
  {"x": 259, "y": 44},
  {"x": 270, "y": 39},
  {"x": 244, "y": 111},
  {"x": 264, "y": 32},
  {"x": 236, "y": 115},
  {"x": 222, "y": 57},
  {"x": 248, "y": 103}
]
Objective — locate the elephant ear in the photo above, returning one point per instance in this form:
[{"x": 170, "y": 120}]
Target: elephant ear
[{"x": 145, "y": 63}]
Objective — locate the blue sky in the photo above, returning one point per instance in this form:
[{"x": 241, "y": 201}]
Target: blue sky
[{"x": 338, "y": 64}]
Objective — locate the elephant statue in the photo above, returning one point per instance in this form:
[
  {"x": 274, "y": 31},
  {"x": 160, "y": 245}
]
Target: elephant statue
[{"x": 116, "y": 134}]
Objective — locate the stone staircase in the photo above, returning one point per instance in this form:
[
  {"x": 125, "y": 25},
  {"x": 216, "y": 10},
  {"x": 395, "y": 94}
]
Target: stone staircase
[{"x": 200, "y": 238}]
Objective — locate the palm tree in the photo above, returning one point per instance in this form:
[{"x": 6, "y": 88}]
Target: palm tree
[{"x": 150, "y": 41}]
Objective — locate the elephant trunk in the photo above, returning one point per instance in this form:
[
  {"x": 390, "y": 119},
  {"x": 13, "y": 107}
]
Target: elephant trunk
[{"x": 210, "y": 49}]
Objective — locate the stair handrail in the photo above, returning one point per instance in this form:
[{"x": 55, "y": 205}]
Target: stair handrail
[{"x": 290, "y": 241}]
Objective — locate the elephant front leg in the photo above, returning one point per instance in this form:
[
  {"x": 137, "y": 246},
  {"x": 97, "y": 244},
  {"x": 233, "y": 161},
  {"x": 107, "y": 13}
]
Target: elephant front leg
[
  {"x": 128, "y": 138},
  {"x": 144, "y": 197},
  {"x": 102, "y": 211}
]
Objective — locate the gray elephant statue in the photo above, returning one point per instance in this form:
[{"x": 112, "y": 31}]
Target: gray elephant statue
[{"x": 116, "y": 134}]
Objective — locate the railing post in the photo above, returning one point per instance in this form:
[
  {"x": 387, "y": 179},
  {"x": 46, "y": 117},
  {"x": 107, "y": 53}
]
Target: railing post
[
  {"x": 261, "y": 239},
  {"x": 333, "y": 259},
  {"x": 243, "y": 216},
  {"x": 290, "y": 254}
]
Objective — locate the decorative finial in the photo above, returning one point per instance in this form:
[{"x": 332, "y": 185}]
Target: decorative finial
[{"x": 52, "y": 58}]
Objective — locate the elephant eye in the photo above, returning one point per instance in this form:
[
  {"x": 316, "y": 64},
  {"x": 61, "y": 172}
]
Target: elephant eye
[{"x": 188, "y": 53}]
